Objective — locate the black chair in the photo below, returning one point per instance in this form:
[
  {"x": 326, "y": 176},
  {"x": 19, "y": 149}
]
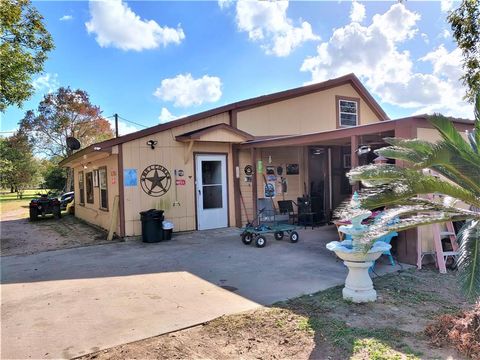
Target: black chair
[
  {"x": 285, "y": 207},
  {"x": 305, "y": 214}
]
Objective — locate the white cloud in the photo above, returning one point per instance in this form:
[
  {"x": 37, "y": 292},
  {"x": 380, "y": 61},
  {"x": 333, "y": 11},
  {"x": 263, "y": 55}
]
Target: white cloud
[
  {"x": 446, "y": 34},
  {"x": 48, "y": 82},
  {"x": 357, "y": 12},
  {"x": 425, "y": 38},
  {"x": 446, "y": 5},
  {"x": 116, "y": 25},
  {"x": 224, "y": 4},
  {"x": 372, "y": 53},
  {"x": 186, "y": 91},
  {"x": 123, "y": 127},
  {"x": 66, "y": 18},
  {"x": 166, "y": 116},
  {"x": 266, "y": 22}
]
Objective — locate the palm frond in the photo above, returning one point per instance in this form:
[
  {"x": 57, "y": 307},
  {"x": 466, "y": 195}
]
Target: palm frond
[{"x": 469, "y": 259}]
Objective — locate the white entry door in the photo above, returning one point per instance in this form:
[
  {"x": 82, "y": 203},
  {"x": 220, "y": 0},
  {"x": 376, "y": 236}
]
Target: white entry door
[{"x": 211, "y": 191}]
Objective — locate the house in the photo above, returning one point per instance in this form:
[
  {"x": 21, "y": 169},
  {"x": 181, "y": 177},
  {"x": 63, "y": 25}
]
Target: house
[{"x": 207, "y": 170}]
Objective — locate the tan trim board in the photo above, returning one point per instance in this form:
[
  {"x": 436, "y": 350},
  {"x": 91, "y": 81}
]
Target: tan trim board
[{"x": 121, "y": 190}]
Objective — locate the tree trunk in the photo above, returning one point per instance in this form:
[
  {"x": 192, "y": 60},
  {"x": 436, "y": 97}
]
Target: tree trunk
[
  {"x": 11, "y": 189},
  {"x": 69, "y": 184}
]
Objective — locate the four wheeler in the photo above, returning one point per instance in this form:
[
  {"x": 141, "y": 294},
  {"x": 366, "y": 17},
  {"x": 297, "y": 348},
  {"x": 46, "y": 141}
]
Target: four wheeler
[
  {"x": 267, "y": 225},
  {"x": 43, "y": 205}
]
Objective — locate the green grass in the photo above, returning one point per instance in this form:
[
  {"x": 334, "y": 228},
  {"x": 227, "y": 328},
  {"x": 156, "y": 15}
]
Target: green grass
[{"x": 10, "y": 201}]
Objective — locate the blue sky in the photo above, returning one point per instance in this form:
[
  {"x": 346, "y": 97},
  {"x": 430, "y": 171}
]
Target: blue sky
[{"x": 153, "y": 61}]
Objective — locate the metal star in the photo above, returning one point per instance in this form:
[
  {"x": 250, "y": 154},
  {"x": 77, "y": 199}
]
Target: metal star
[{"x": 156, "y": 181}]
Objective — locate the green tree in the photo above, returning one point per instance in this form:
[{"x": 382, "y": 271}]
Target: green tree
[
  {"x": 465, "y": 23},
  {"x": 23, "y": 50},
  {"x": 65, "y": 113},
  {"x": 54, "y": 177},
  {"x": 457, "y": 162},
  {"x": 18, "y": 166}
]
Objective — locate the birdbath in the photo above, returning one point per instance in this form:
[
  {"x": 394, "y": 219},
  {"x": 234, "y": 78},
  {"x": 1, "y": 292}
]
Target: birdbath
[{"x": 358, "y": 285}]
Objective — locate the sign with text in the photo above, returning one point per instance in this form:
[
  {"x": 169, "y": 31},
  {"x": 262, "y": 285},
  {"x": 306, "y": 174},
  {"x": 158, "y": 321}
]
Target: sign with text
[{"x": 180, "y": 182}]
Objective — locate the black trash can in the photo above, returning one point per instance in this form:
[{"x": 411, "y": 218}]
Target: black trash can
[
  {"x": 152, "y": 230},
  {"x": 167, "y": 230}
]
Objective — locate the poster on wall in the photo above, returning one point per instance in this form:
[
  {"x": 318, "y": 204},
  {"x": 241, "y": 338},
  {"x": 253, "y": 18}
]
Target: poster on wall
[
  {"x": 130, "y": 177},
  {"x": 95, "y": 178},
  {"x": 292, "y": 169},
  {"x": 270, "y": 170},
  {"x": 269, "y": 190}
]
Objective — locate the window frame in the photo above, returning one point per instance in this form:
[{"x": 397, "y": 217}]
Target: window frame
[
  {"x": 81, "y": 188},
  {"x": 338, "y": 100},
  {"x": 100, "y": 170}
]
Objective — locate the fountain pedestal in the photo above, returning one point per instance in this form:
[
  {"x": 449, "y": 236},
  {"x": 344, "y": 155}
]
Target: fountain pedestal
[{"x": 358, "y": 285}]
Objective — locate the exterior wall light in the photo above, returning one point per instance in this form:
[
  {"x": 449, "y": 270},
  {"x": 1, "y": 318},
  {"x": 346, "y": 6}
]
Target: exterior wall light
[{"x": 152, "y": 144}]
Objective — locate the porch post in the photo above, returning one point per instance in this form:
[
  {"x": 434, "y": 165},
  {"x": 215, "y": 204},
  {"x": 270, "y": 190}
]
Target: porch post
[
  {"x": 253, "y": 157},
  {"x": 236, "y": 187},
  {"x": 354, "y": 158}
]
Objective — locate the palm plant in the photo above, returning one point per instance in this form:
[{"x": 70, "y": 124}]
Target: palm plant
[{"x": 449, "y": 168}]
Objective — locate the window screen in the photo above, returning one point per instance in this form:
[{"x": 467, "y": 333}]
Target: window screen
[
  {"x": 89, "y": 186},
  {"x": 348, "y": 113},
  {"x": 102, "y": 175},
  {"x": 81, "y": 187}
]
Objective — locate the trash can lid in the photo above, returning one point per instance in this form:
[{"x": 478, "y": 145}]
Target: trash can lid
[{"x": 167, "y": 225}]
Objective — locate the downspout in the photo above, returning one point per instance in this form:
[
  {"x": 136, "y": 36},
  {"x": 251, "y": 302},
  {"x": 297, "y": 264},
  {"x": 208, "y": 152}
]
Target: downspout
[{"x": 330, "y": 195}]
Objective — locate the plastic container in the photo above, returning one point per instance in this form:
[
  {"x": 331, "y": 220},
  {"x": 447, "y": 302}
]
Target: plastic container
[
  {"x": 167, "y": 230},
  {"x": 152, "y": 230}
]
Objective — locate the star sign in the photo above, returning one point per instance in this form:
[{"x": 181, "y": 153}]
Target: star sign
[{"x": 155, "y": 180}]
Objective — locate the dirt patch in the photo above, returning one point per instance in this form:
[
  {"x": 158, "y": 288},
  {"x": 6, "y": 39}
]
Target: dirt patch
[
  {"x": 20, "y": 236},
  {"x": 319, "y": 326}
]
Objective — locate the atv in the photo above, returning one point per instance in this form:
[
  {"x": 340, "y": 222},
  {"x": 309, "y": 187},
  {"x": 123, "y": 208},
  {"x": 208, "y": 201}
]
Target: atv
[{"x": 43, "y": 205}]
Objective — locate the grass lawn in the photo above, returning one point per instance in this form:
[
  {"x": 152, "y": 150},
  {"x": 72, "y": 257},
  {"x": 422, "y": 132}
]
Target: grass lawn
[
  {"x": 10, "y": 202},
  {"x": 319, "y": 326}
]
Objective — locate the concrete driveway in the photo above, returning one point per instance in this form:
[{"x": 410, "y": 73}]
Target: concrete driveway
[{"x": 66, "y": 303}]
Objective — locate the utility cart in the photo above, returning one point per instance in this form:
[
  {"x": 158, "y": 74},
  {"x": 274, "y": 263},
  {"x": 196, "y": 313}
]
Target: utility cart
[{"x": 267, "y": 222}]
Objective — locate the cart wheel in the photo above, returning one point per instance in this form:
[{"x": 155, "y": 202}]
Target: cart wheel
[
  {"x": 260, "y": 241},
  {"x": 247, "y": 238},
  {"x": 293, "y": 236},
  {"x": 278, "y": 235}
]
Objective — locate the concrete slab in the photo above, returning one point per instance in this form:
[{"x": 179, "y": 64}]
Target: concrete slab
[
  {"x": 152, "y": 288},
  {"x": 68, "y": 318}
]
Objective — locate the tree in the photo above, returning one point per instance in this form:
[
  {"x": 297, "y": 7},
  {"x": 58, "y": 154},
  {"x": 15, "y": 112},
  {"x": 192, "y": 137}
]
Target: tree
[
  {"x": 18, "y": 166},
  {"x": 465, "y": 23},
  {"x": 54, "y": 177},
  {"x": 65, "y": 113},
  {"x": 457, "y": 161},
  {"x": 23, "y": 50}
]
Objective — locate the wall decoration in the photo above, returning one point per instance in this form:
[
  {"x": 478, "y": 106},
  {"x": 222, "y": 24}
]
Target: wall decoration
[
  {"x": 130, "y": 177},
  {"x": 279, "y": 170},
  {"x": 270, "y": 190},
  {"x": 248, "y": 170},
  {"x": 270, "y": 170},
  {"x": 248, "y": 178},
  {"x": 95, "y": 178},
  {"x": 271, "y": 178},
  {"x": 292, "y": 169},
  {"x": 180, "y": 173},
  {"x": 260, "y": 166},
  {"x": 155, "y": 180},
  {"x": 180, "y": 182}
]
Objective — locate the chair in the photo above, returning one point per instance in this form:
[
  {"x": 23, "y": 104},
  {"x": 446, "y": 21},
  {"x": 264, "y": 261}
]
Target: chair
[
  {"x": 305, "y": 214},
  {"x": 286, "y": 208}
]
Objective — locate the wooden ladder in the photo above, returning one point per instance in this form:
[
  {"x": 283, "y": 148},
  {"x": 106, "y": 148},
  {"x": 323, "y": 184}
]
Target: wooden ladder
[{"x": 439, "y": 254}]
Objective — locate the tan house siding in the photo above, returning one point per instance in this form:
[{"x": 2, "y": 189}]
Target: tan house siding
[
  {"x": 310, "y": 113},
  {"x": 171, "y": 154},
  {"x": 91, "y": 212}
]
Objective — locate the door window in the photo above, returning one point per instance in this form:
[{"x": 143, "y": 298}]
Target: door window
[{"x": 212, "y": 184}]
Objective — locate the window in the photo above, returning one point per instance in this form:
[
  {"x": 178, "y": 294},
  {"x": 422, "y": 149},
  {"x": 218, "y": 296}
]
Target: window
[
  {"x": 81, "y": 187},
  {"x": 102, "y": 177},
  {"x": 89, "y": 181},
  {"x": 348, "y": 113}
]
